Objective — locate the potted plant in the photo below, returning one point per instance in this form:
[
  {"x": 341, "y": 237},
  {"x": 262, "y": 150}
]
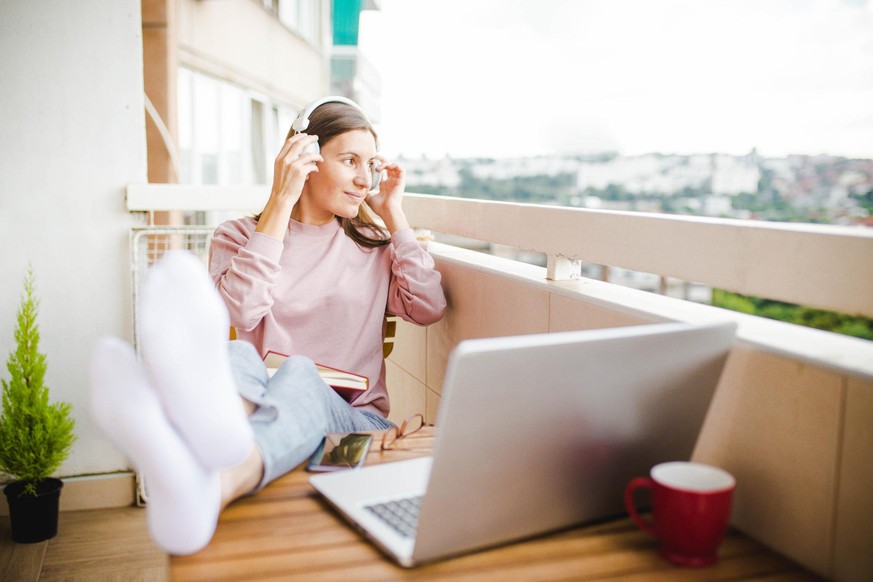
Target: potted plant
[{"x": 35, "y": 435}]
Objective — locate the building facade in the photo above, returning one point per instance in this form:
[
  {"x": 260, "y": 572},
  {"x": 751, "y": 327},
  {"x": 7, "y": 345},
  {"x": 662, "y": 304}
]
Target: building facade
[{"x": 224, "y": 80}]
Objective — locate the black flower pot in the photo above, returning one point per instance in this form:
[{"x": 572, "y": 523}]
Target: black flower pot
[{"x": 34, "y": 518}]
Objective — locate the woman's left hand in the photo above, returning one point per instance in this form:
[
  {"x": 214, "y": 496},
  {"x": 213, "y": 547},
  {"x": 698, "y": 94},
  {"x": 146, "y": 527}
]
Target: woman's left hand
[{"x": 387, "y": 202}]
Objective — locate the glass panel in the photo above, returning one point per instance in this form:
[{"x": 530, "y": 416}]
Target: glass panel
[
  {"x": 308, "y": 26},
  {"x": 289, "y": 13},
  {"x": 185, "y": 122},
  {"x": 231, "y": 145},
  {"x": 259, "y": 157},
  {"x": 206, "y": 101}
]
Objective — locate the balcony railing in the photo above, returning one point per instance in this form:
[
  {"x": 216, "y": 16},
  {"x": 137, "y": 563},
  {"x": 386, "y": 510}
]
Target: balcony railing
[
  {"x": 815, "y": 265},
  {"x": 792, "y": 414},
  {"x": 821, "y": 266}
]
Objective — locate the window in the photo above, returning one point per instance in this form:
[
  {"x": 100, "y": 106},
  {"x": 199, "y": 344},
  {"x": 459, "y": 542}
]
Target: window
[
  {"x": 211, "y": 130},
  {"x": 303, "y": 17},
  {"x": 227, "y": 136},
  {"x": 271, "y": 5}
]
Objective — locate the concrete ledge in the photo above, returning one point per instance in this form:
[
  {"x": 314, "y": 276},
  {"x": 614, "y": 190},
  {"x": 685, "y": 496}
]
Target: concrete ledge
[{"x": 839, "y": 353}]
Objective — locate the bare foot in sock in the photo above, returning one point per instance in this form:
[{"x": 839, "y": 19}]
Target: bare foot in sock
[
  {"x": 184, "y": 497},
  {"x": 183, "y": 332}
]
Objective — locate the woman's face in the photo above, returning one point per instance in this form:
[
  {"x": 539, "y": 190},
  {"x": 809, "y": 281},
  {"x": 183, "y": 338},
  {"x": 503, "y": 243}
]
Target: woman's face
[{"x": 342, "y": 181}]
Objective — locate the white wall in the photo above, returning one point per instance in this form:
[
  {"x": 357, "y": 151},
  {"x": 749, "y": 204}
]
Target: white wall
[{"x": 72, "y": 135}]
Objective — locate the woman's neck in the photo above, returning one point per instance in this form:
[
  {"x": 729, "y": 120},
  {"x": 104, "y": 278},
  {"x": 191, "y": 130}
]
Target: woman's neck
[{"x": 303, "y": 213}]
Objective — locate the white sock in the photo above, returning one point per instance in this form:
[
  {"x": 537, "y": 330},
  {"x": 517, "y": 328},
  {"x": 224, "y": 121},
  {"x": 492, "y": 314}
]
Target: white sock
[
  {"x": 184, "y": 330},
  {"x": 184, "y": 498}
]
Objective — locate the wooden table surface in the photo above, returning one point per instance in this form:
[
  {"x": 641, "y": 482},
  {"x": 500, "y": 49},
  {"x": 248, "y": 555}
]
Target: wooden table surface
[{"x": 286, "y": 532}]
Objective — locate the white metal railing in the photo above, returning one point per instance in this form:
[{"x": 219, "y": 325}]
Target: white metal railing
[
  {"x": 149, "y": 243},
  {"x": 814, "y": 265}
]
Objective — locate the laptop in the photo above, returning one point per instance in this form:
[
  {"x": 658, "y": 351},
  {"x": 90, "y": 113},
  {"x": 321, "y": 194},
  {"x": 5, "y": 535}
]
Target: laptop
[{"x": 537, "y": 433}]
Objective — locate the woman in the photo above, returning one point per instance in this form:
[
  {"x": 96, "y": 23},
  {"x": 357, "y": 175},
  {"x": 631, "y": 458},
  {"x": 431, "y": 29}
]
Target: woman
[{"x": 312, "y": 275}]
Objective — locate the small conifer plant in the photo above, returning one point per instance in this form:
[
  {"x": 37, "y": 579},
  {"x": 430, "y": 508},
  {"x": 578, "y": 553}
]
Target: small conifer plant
[{"x": 35, "y": 435}]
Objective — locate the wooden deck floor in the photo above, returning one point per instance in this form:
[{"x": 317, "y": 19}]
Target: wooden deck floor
[
  {"x": 93, "y": 546},
  {"x": 286, "y": 532}
]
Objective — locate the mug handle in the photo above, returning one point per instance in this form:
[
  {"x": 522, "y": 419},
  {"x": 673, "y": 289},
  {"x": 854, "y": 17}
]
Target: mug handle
[{"x": 638, "y": 483}]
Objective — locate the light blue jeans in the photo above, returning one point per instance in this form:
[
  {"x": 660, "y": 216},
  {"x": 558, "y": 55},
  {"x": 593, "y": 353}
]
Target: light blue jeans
[{"x": 295, "y": 409}]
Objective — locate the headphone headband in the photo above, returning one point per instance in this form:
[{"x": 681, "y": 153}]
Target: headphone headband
[{"x": 302, "y": 122}]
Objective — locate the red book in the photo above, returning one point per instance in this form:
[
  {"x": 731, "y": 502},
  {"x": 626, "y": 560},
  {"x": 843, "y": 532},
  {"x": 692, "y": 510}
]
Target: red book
[{"x": 347, "y": 384}]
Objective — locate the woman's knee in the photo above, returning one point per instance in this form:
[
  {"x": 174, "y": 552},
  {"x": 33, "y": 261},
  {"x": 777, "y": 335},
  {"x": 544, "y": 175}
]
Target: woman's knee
[
  {"x": 299, "y": 373},
  {"x": 243, "y": 351},
  {"x": 249, "y": 373},
  {"x": 299, "y": 365},
  {"x": 298, "y": 379}
]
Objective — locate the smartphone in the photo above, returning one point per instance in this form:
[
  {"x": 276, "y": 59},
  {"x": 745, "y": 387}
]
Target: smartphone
[{"x": 339, "y": 451}]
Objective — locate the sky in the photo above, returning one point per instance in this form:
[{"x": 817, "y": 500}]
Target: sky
[{"x": 502, "y": 78}]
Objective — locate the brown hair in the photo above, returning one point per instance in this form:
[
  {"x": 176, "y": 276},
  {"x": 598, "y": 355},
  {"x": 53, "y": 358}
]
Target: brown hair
[{"x": 328, "y": 121}]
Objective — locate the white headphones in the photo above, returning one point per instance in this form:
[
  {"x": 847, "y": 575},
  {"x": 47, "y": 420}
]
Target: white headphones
[{"x": 301, "y": 123}]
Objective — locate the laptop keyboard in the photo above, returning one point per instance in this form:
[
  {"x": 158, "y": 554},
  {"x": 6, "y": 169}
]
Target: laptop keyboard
[{"x": 400, "y": 514}]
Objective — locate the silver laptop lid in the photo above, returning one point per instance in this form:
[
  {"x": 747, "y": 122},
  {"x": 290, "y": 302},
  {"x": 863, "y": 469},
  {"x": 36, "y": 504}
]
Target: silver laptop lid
[{"x": 540, "y": 432}]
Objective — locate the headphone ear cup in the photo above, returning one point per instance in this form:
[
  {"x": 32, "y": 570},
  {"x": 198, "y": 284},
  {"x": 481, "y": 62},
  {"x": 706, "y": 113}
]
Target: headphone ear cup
[
  {"x": 311, "y": 149},
  {"x": 376, "y": 174}
]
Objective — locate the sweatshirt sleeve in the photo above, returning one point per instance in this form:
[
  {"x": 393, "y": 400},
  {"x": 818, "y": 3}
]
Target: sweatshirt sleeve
[
  {"x": 244, "y": 266},
  {"x": 414, "y": 293}
]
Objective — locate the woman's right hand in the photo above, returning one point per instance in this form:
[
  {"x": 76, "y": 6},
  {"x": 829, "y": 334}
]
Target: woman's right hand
[
  {"x": 292, "y": 166},
  {"x": 290, "y": 170}
]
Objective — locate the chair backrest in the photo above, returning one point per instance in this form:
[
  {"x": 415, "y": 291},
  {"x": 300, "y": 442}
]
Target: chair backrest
[{"x": 389, "y": 330}]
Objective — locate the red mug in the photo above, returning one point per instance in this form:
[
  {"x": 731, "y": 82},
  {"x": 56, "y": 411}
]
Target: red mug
[{"x": 691, "y": 509}]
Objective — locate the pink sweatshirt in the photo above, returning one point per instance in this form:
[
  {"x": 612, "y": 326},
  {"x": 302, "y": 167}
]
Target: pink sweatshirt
[{"x": 320, "y": 295}]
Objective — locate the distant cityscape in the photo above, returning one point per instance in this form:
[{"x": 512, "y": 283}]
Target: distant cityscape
[
  {"x": 797, "y": 188},
  {"x": 819, "y": 189}
]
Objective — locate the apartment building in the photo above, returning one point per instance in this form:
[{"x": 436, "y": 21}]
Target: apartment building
[{"x": 224, "y": 80}]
